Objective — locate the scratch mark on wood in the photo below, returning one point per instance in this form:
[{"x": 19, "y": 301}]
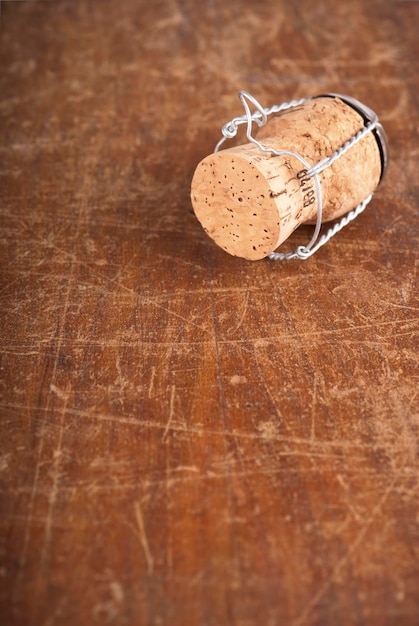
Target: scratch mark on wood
[
  {"x": 171, "y": 413},
  {"x": 117, "y": 591},
  {"x": 151, "y": 386},
  {"x": 143, "y": 538},
  {"x": 313, "y": 410},
  {"x": 232, "y": 330},
  {"x": 267, "y": 387},
  {"x": 63, "y": 395},
  {"x": 54, "y": 490},
  {"x": 351, "y": 508}
]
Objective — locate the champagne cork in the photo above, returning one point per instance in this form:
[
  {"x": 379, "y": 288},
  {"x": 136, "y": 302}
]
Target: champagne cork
[{"x": 250, "y": 201}]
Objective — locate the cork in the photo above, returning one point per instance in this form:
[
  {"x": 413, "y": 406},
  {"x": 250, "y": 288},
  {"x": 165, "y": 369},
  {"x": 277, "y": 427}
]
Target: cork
[{"x": 249, "y": 202}]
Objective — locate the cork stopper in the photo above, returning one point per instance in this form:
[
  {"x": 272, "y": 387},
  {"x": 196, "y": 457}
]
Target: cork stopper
[{"x": 249, "y": 201}]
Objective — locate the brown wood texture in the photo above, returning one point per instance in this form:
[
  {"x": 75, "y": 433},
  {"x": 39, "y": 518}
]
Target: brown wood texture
[{"x": 189, "y": 438}]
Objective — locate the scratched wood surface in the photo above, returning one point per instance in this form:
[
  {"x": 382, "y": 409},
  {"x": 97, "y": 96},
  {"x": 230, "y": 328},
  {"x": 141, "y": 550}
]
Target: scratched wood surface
[{"x": 188, "y": 438}]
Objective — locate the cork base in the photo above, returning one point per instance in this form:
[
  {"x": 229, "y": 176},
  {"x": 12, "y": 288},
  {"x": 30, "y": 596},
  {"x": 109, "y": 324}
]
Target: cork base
[{"x": 243, "y": 200}]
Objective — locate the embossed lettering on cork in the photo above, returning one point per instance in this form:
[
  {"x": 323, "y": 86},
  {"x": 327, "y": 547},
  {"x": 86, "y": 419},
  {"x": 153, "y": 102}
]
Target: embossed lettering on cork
[{"x": 312, "y": 160}]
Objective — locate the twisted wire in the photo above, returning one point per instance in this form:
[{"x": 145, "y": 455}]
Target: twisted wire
[{"x": 302, "y": 253}]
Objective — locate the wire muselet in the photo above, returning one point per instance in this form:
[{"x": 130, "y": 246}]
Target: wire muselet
[{"x": 259, "y": 116}]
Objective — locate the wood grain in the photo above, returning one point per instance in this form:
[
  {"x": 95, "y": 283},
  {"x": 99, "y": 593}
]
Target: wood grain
[{"x": 189, "y": 438}]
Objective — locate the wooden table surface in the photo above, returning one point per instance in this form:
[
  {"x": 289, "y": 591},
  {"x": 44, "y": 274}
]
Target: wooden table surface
[{"x": 189, "y": 438}]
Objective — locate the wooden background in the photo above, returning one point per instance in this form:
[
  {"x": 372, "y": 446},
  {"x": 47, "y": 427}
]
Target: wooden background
[{"x": 188, "y": 438}]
